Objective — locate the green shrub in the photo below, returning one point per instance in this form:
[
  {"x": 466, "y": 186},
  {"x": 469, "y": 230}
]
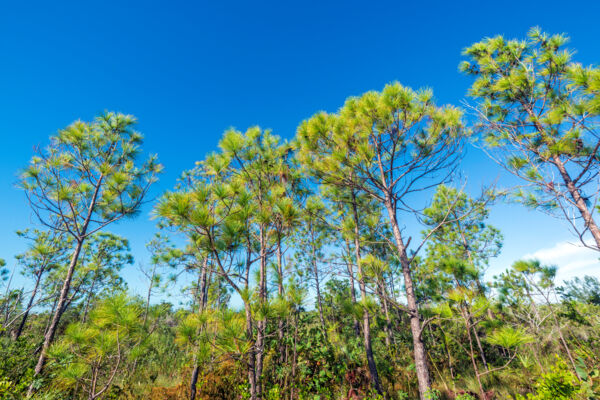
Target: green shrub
[{"x": 558, "y": 384}]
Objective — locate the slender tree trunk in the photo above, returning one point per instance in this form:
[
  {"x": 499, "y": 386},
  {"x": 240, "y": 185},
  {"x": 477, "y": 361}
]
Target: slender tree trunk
[
  {"x": 286, "y": 357},
  {"x": 194, "y": 379},
  {"x": 319, "y": 300},
  {"x": 466, "y": 318},
  {"x": 433, "y": 363},
  {"x": 94, "y": 383},
  {"x": 294, "y": 356},
  {"x": 251, "y": 354},
  {"x": 57, "y": 314},
  {"x": 352, "y": 288},
  {"x": 420, "y": 353},
  {"x": 202, "y": 299},
  {"x": 89, "y": 298},
  {"x": 206, "y": 282},
  {"x": 479, "y": 346},
  {"x": 316, "y": 273},
  {"x": 363, "y": 291},
  {"x": 571, "y": 186},
  {"x": 280, "y": 324},
  {"x": 579, "y": 200},
  {"x": 29, "y": 305},
  {"x": 6, "y": 303},
  {"x": 448, "y": 355},
  {"x": 481, "y": 352},
  {"x": 260, "y": 337},
  {"x": 49, "y": 336},
  {"x": 386, "y": 311},
  {"x": 72, "y": 297},
  {"x": 149, "y": 294}
]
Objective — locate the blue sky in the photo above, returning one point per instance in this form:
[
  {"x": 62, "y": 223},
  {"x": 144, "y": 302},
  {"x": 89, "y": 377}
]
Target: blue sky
[{"x": 189, "y": 70}]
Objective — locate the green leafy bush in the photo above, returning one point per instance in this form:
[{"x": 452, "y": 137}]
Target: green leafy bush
[{"x": 557, "y": 384}]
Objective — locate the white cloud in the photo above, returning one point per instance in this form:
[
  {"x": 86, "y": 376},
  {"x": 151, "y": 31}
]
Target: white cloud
[{"x": 571, "y": 259}]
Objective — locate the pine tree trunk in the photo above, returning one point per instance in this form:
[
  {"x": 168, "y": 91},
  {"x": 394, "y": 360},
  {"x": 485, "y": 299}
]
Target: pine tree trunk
[
  {"x": 29, "y": 305},
  {"x": 294, "y": 356},
  {"x": 89, "y": 299},
  {"x": 194, "y": 379},
  {"x": 6, "y": 303},
  {"x": 388, "y": 324},
  {"x": 352, "y": 288},
  {"x": 202, "y": 296},
  {"x": 57, "y": 315},
  {"x": 448, "y": 355},
  {"x": 479, "y": 346},
  {"x": 204, "y": 282},
  {"x": 149, "y": 294},
  {"x": 571, "y": 187},
  {"x": 363, "y": 291},
  {"x": 420, "y": 353},
  {"x": 280, "y": 324},
  {"x": 260, "y": 337},
  {"x": 251, "y": 353},
  {"x": 469, "y": 327},
  {"x": 579, "y": 201},
  {"x": 317, "y": 283}
]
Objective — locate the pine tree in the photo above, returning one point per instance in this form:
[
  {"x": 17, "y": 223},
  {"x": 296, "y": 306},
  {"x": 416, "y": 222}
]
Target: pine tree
[
  {"x": 539, "y": 114},
  {"x": 86, "y": 179},
  {"x": 47, "y": 251},
  {"x": 231, "y": 207},
  {"x": 388, "y": 145}
]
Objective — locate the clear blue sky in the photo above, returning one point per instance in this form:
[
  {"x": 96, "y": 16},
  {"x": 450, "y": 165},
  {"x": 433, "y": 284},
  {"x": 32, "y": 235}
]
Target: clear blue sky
[{"x": 189, "y": 70}]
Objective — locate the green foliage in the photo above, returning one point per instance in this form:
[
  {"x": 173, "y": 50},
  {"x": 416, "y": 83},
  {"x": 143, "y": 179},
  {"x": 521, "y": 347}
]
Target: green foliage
[
  {"x": 459, "y": 229},
  {"x": 89, "y": 169},
  {"x": 464, "y": 396},
  {"x": 586, "y": 290},
  {"x": 509, "y": 337},
  {"x": 558, "y": 384},
  {"x": 339, "y": 148},
  {"x": 89, "y": 354},
  {"x": 16, "y": 367},
  {"x": 539, "y": 117},
  {"x": 433, "y": 394},
  {"x": 7, "y": 391}
]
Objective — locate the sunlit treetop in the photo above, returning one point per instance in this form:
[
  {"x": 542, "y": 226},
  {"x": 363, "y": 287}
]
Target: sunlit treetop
[
  {"x": 89, "y": 175},
  {"x": 382, "y": 141},
  {"x": 534, "y": 97}
]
